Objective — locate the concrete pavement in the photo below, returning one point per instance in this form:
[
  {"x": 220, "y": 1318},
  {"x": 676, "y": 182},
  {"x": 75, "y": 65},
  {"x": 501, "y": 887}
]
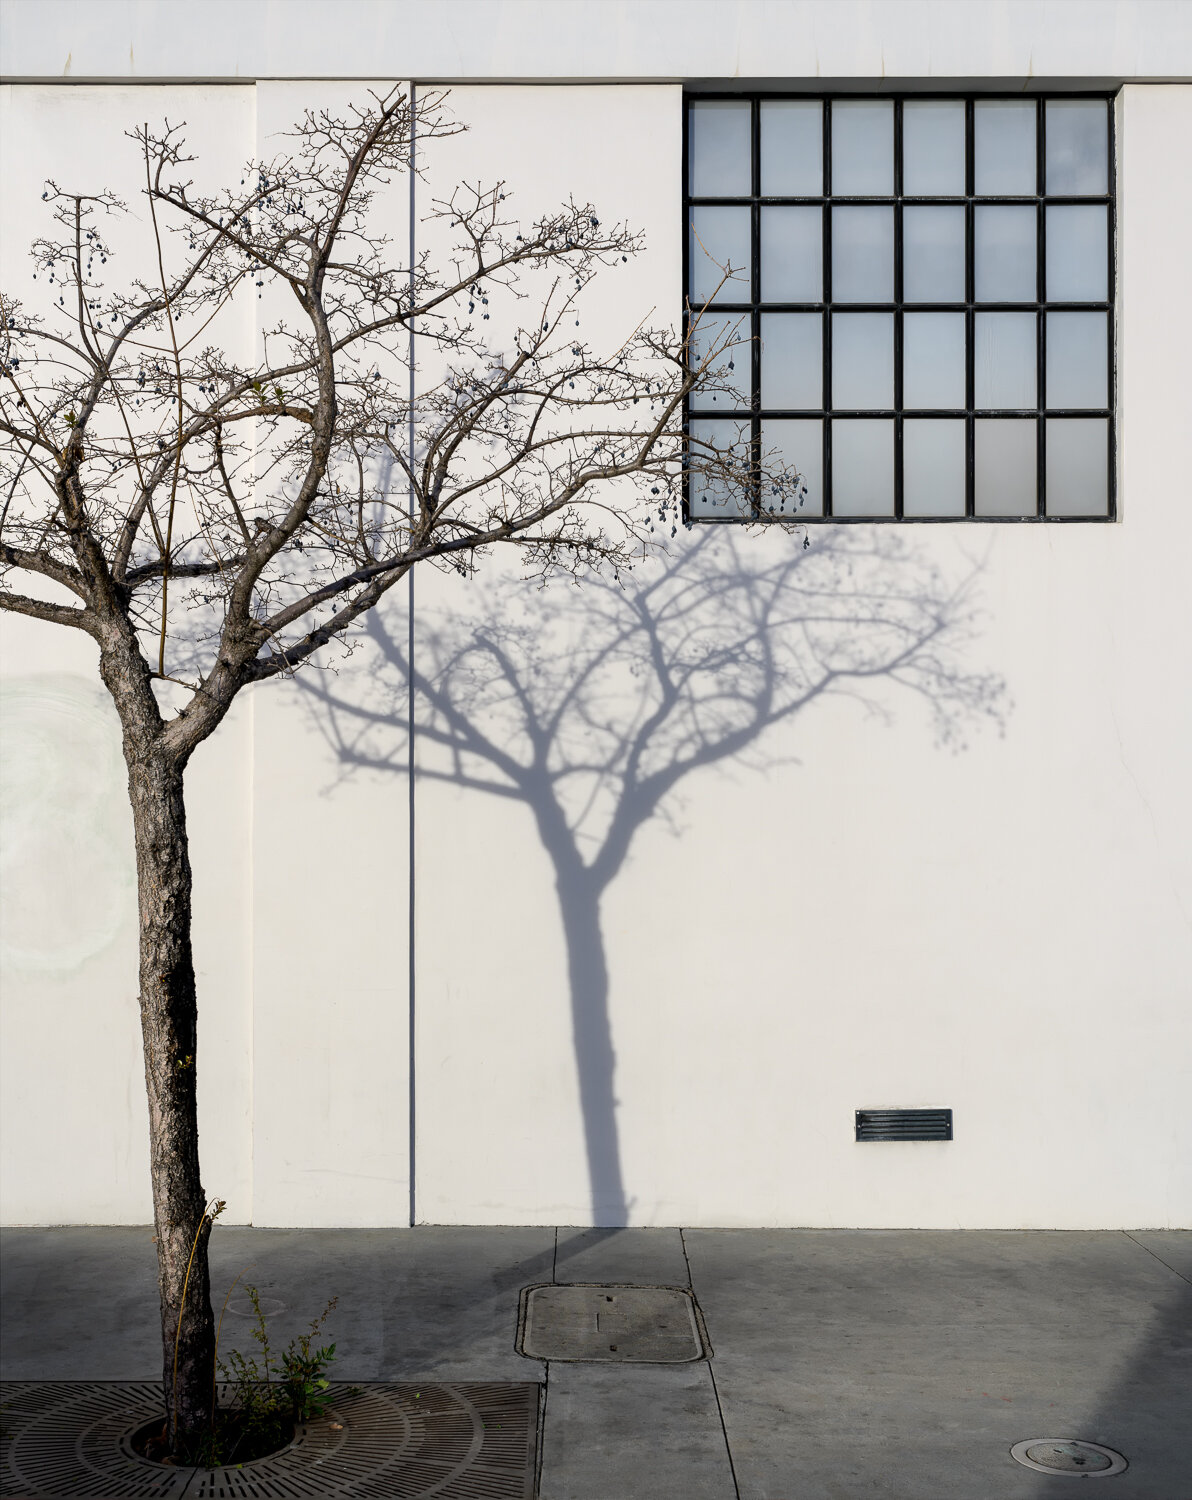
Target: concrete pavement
[{"x": 845, "y": 1364}]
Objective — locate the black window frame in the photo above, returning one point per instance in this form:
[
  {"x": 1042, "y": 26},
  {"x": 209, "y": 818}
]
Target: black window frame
[{"x": 753, "y": 308}]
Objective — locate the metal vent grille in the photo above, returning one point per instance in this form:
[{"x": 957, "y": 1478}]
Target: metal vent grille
[{"x": 904, "y": 1124}]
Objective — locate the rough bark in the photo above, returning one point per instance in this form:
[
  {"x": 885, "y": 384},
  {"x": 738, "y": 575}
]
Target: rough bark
[
  {"x": 95, "y": 497},
  {"x": 169, "y": 1018}
]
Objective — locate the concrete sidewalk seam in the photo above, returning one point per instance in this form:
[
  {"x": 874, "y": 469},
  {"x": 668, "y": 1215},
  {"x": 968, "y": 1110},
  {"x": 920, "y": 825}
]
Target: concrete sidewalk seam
[
  {"x": 732, "y": 1468},
  {"x": 1159, "y": 1258}
]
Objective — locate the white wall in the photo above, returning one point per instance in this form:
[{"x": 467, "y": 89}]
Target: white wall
[
  {"x": 303, "y": 1013},
  {"x": 462, "y": 40},
  {"x": 330, "y": 917},
  {"x": 73, "y": 1108},
  {"x": 1005, "y": 930},
  {"x": 492, "y": 996}
]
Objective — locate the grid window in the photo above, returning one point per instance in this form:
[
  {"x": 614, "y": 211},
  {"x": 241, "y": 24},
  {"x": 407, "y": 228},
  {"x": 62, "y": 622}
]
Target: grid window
[{"x": 913, "y": 299}]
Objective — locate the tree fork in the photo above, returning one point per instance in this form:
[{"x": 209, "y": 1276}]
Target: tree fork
[{"x": 85, "y": 473}]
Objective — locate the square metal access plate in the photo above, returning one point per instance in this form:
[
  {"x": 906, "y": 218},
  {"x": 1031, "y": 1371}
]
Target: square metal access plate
[{"x": 650, "y": 1325}]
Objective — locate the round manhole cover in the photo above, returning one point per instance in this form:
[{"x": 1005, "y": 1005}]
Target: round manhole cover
[
  {"x": 243, "y": 1305},
  {"x": 1068, "y": 1456}
]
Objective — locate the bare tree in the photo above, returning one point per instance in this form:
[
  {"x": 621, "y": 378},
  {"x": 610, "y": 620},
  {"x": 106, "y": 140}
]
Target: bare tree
[
  {"x": 212, "y": 523},
  {"x": 593, "y": 708}
]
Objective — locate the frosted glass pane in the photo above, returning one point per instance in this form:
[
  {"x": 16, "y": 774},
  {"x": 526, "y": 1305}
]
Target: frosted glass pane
[
  {"x": 1077, "y": 359},
  {"x": 863, "y": 468},
  {"x": 1005, "y": 475},
  {"x": 792, "y": 361},
  {"x": 797, "y": 445},
  {"x": 932, "y": 147},
  {"x": 863, "y": 361},
  {"x": 863, "y": 254},
  {"x": 792, "y": 255},
  {"x": 792, "y": 148},
  {"x": 728, "y": 332},
  {"x": 1077, "y": 467},
  {"x": 720, "y": 238},
  {"x": 1004, "y": 147},
  {"x": 718, "y": 148},
  {"x": 1077, "y": 146},
  {"x": 1004, "y": 363},
  {"x": 933, "y": 254},
  {"x": 1077, "y": 256},
  {"x": 716, "y": 495},
  {"x": 862, "y": 146},
  {"x": 1004, "y": 253},
  {"x": 933, "y": 360},
  {"x": 932, "y": 468}
]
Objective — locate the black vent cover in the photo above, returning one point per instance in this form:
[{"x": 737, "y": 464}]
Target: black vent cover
[{"x": 904, "y": 1124}]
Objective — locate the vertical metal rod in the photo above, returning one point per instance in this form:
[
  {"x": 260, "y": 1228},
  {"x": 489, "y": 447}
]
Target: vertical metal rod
[
  {"x": 685, "y": 254},
  {"x": 1111, "y": 295},
  {"x": 898, "y": 345},
  {"x": 410, "y": 1041},
  {"x": 755, "y": 296}
]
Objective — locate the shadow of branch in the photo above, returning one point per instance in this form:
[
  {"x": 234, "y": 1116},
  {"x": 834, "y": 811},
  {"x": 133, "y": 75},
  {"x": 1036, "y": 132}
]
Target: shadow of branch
[{"x": 592, "y": 706}]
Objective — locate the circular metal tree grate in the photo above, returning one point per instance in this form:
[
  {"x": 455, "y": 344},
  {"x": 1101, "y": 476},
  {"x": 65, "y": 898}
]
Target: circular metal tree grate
[
  {"x": 1069, "y": 1456},
  {"x": 453, "y": 1442}
]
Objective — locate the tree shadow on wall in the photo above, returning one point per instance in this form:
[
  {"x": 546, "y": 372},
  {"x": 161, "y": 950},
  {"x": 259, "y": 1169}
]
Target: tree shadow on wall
[{"x": 591, "y": 705}]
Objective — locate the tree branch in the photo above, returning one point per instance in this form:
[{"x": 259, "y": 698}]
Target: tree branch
[{"x": 55, "y": 614}]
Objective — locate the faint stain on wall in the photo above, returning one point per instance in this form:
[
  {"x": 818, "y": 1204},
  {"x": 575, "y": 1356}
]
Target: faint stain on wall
[{"x": 66, "y": 854}]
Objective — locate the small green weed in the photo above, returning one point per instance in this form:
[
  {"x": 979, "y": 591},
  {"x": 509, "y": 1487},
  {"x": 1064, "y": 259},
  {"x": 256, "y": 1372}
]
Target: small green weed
[
  {"x": 295, "y": 1382},
  {"x": 271, "y": 1394}
]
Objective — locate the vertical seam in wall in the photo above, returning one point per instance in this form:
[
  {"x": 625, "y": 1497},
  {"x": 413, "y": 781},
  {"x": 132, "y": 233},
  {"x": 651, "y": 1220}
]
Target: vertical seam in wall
[
  {"x": 251, "y": 955},
  {"x": 412, "y": 1082}
]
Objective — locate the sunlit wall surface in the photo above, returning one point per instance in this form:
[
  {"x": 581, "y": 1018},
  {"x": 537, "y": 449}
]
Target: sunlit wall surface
[{"x": 950, "y": 876}]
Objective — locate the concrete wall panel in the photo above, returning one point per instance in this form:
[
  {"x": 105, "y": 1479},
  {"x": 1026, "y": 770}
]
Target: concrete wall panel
[
  {"x": 330, "y": 909},
  {"x": 462, "y": 40},
  {"x": 843, "y": 915},
  {"x": 75, "y": 1133}
]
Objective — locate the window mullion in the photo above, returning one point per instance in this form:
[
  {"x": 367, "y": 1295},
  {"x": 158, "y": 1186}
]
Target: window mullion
[
  {"x": 898, "y": 310},
  {"x": 970, "y": 321},
  {"x": 922, "y": 260},
  {"x": 755, "y": 293},
  {"x": 1111, "y": 288},
  {"x": 1041, "y": 316},
  {"x": 826, "y": 292}
]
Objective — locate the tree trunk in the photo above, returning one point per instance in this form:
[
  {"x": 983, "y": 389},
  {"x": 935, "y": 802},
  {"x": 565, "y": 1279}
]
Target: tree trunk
[{"x": 169, "y": 1030}]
